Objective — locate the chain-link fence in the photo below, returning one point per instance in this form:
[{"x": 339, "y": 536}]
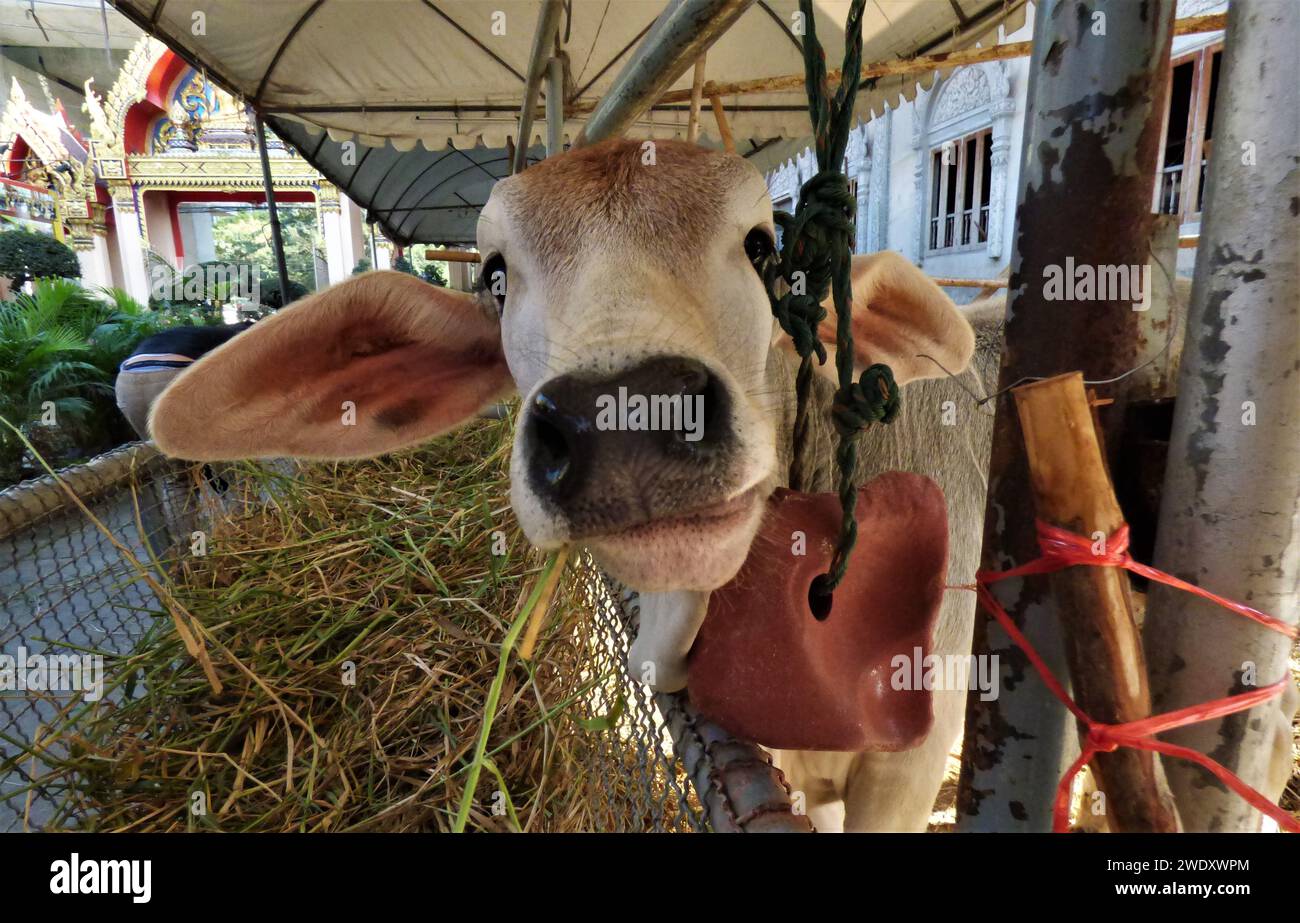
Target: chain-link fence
[
  {"x": 81, "y": 562},
  {"x": 68, "y": 594}
]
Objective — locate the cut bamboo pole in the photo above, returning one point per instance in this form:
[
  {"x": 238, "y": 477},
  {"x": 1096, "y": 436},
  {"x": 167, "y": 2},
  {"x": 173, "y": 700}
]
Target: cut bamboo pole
[
  {"x": 724, "y": 127},
  {"x": 1194, "y": 25},
  {"x": 452, "y": 256},
  {"x": 697, "y": 99},
  {"x": 1072, "y": 489},
  {"x": 969, "y": 283}
]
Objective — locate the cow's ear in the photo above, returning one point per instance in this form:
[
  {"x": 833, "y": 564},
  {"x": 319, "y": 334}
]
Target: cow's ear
[
  {"x": 900, "y": 317},
  {"x": 378, "y": 363}
]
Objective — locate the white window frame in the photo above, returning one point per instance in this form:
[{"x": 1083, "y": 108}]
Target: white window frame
[{"x": 936, "y": 217}]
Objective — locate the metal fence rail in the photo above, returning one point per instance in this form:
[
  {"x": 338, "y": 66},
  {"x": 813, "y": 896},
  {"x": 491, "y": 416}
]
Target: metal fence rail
[{"x": 70, "y": 588}]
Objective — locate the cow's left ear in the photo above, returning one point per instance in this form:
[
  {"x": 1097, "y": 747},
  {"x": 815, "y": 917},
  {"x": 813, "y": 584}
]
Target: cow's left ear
[
  {"x": 378, "y": 363},
  {"x": 900, "y": 316}
]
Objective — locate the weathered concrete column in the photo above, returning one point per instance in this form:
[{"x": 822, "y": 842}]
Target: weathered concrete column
[
  {"x": 1230, "y": 514},
  {"x": 1097, "y": 83},
  {"x": 130, "y": 244},
  {"x": 352, "y": 232},
  {"x": 92, "y": 254},
  {"x": 880, "y": 152}
]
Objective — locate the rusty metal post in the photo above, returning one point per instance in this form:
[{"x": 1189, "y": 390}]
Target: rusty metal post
[
  {"x": 1230, "y": 516},
  {"x": 1097, "y": 84}
]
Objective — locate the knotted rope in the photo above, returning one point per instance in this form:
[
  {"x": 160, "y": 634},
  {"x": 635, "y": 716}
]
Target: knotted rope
[{"x": 814, "y": 257}]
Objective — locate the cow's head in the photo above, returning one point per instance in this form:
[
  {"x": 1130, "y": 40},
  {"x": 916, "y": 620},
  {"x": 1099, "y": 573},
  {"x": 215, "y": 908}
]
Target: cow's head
[{"x": 612, "y": 275}]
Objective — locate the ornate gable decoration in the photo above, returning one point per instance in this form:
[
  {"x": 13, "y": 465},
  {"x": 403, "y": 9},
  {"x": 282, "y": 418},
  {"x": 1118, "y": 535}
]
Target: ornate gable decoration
[
  {"x": 132, "y": 85},
  {"x": 965, "y": 91}
]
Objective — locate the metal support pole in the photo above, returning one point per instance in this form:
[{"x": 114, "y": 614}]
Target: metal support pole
[
  {"x": 548, "y": 24},
  {"x": 685, "y": 30},
  {"x": 1230, "y": 513},
  {"x": 1096, "y": 89},
  {"x": 555, "y": 106},
  {"x": 277, "y": 239}
]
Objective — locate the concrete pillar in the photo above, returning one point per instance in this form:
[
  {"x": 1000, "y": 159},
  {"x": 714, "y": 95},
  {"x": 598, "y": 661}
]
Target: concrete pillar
[
  {"x": 204, "y": 248},
  {"x": 882, "y": 136},
  {"x": 1002, "y": 108},
  {"x": 863, "y": 203},
  {"x": 352, "y": 232},
  {"x": 95, "y": 266},
  {"x": 130, "y": 245},
  {"x": 337, "y": 266},
  {"x": 458, "y": 276},
  {"x": 158, "y": 227},
  {"x": 1230, "y": 511}
]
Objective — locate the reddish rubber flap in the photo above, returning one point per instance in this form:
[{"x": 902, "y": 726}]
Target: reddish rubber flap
[{"x": 767, "y": 670}]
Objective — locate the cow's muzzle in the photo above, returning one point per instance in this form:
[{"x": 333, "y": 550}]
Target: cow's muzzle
[{"x": 610, "y": 453}]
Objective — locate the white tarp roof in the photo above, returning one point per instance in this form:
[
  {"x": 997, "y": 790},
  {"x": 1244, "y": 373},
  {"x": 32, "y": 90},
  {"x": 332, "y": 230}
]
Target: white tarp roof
[
  {"x": 430, "y": 89},
  {"x": 439, "y": 72}
]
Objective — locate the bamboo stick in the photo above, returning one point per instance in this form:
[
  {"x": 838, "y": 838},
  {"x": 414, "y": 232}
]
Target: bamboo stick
[
  {"x": 1193, "y": 25},
  {"x": 452, "y": 256},
  {"x": 1072, "y": 489},
  {"x": 970, "y": 283},
  {"x": 724, "y": 127},
  {"x": 697, "y": 98}
]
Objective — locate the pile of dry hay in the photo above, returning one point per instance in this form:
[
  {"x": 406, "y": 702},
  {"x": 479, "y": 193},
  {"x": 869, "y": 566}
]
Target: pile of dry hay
[{"x": 355, "y": 623}]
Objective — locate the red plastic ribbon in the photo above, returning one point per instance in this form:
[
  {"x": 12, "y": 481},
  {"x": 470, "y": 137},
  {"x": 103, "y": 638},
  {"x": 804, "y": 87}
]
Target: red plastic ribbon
[{"x": 1061, "y": 549}]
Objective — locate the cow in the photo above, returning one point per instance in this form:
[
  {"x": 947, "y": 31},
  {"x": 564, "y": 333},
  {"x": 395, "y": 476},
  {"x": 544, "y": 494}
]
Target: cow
[{"x": 610, "y": 268}]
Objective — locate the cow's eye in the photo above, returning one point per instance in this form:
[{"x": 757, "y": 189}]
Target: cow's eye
[
  {"x": 759, "y": 247},
  {"x": 493, "y": 280}
]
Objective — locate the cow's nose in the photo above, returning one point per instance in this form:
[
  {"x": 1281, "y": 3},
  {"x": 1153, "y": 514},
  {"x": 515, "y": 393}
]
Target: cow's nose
[{"x": 587, "y": 435}]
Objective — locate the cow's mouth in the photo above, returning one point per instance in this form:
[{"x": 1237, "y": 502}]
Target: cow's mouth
[
  {"x": 722, "y": 515},
  {"x": 700, "y": 549}
]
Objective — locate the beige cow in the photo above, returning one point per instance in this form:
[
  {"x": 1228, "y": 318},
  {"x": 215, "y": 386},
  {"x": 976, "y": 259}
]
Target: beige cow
[{"x": 608, "y": 269}]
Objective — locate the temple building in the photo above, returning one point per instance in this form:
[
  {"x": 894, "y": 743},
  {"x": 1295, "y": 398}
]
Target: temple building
[
  {"x": 936, "y": 177},
  {"x": 167, "y": 151}
]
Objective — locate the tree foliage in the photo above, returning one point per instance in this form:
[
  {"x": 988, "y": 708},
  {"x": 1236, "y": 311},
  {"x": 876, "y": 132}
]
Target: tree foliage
[
  {"x": 244, "y": 236},
  {"x": 27, "y": 255}
]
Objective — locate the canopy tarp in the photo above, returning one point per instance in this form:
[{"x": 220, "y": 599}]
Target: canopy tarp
[
  {"x": 433, "y": 76},
  {"x": 416, "y": 196}
]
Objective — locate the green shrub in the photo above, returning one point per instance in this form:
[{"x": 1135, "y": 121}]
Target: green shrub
[
  {"x": 60, "y": 348},
  {"x": 432, "y": 273},
  {"x": 27, "y": 255},
  {"x": 271, "y": 292}
]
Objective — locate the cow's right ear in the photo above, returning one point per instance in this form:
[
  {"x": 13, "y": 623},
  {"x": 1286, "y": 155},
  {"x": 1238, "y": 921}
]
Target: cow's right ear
[{"x": 380, "y": 362}]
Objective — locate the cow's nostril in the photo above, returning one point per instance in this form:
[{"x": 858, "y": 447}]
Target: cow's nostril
[
  {"x": 710, "y": 412},
  {"x": 552, "y": 458}
]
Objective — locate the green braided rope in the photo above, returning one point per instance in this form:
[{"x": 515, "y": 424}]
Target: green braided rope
[{"x": 815, "y": 255}]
